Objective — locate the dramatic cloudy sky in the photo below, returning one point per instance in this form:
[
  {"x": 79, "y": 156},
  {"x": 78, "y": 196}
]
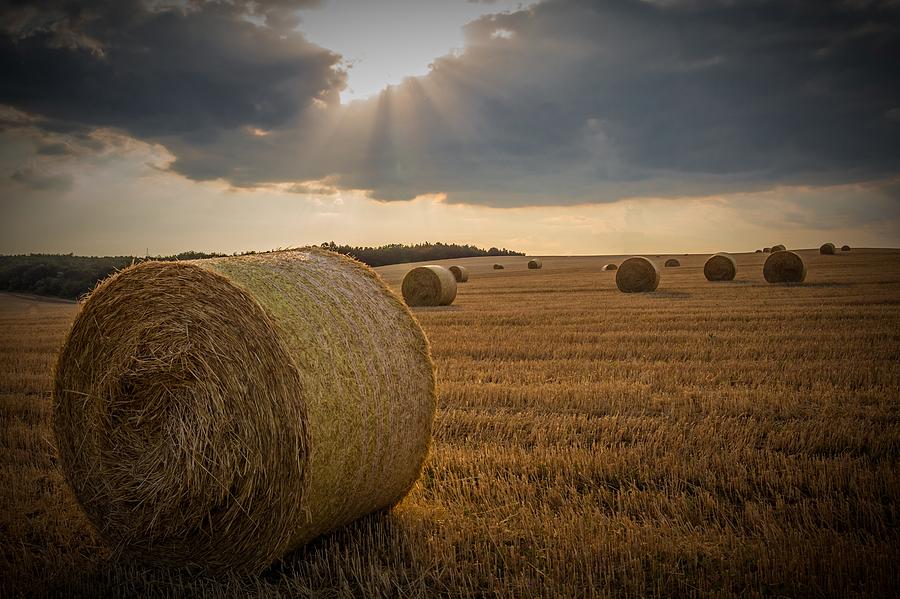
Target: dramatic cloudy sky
[{"x": 551, "y": 126}]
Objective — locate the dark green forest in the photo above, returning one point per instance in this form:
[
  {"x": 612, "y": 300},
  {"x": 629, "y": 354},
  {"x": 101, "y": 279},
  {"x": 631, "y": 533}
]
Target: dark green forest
[
  {"x": 69, "y": 277},
  {"x": 396, "y": 253}
]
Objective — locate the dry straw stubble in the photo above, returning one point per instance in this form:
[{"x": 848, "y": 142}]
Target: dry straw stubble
[
  {"x": 720, "y": 267},
  {"x": 637, "y": 274},
  {"x": 784, "y": 267},
  {"x": 218, "y": 413},
  {"x": 460, "y": 273},
  {"x": 429, "y": 286}
]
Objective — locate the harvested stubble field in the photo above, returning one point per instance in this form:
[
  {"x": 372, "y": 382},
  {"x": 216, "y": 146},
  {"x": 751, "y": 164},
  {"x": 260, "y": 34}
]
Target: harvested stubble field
[{"x": 706, "y": 439}]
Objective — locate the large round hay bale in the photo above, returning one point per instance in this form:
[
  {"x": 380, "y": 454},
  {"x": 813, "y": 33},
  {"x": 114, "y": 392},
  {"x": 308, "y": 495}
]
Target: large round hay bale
[
  {"x": 460, "y": 273},
  {"x": 720, "y": 267},
  {"x": 610, "y": 267},
  {"x": 845, "y": 248},
  {"x": 827, "y": 249},
  {"x": 778, "y": 248},
  {"x": 784, "y": 267},
  {"x": 767, "y": 250},
  {"x": 218, "y": 413},
  {"x": 535, "y": 263},
  {"x": 498, "y": 267},
  {"x": 672, "y": 262},
  {"x": 429, "y": 286},
  {"x": 637, "y": 274}
]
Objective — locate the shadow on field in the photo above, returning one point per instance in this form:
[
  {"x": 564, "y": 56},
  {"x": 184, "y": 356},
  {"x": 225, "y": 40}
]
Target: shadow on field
[
  {"x": 669, "y": 295},
  {"x": 336, "y": 564},
  {"x": 828, "y": 284},
  {"x": 355, "y": 557},
  {"x": 435, "y": 308}
]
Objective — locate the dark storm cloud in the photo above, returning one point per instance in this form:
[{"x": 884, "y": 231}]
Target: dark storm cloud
[
  {"x": 628, "y": 97},
  {"x": 569, "y": 101},
  {"x": 587, "y": 102},
  {"x": 191, "y": 72}
]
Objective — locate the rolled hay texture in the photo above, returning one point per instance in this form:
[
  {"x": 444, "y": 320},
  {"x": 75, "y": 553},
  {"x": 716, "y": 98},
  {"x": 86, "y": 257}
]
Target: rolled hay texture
[
  {"x": 535, "y": 263},
  {"x": 784, "y": 267},
  {"x": 827, "y": 248},
  {"x": 637, "y": 274},
  {"x": 610, "y": 267},
  {"x": 720, "y": 267},
  {"x": 672, "y": 262},
  {"x": 429, "y": 286},
  {"x": 216, "y": 414},
  {"x": 460, "y": 273},
  {"x": 778, "y": 248},
  {"x": 498, "y": 267},
  {"x": 845, "y": 248},
  {"x": 767, "y": 250}
]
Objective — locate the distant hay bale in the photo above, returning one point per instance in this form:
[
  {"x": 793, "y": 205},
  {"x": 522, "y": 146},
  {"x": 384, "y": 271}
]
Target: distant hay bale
[
  {"x": 778, "y": 248},
  {"x": 784, "y": 267},
  {"x": 672, "y": 262},
  {"x": 637, "y": 274},
  {"x": 219, "y": 413},
  {"x": 460, "y": 273},
  {"x": 720, "y": 267},
  {"x": 498, "y": 267},
  {"x": 767, "y": 250},
  {"x": 610, "y": 267},
  {"x": 845, "y": 248},
  {"x": 535, "y": 263},
  {"x": 429, "y": 286},
  {"x": 757, "y": 251},
  {"x": 827, "y": 249}
]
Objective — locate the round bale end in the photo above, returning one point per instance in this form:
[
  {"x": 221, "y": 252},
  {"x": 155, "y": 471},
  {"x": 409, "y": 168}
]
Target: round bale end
[
  {"x": 637, "y": 274},
  {"x": 429, "y": 286},
  {"x": 460, "y": 273},
  {"x": 784, "y": 267},
  {"x": 720, "y": 267},
  {"x": 215, "y": 414}
]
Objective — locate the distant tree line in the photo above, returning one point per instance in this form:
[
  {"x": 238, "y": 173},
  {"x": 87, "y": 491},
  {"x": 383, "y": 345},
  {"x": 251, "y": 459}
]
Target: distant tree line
[
  {"x": 68, "y": 276},
  {"x": 396, "y": 253}
]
